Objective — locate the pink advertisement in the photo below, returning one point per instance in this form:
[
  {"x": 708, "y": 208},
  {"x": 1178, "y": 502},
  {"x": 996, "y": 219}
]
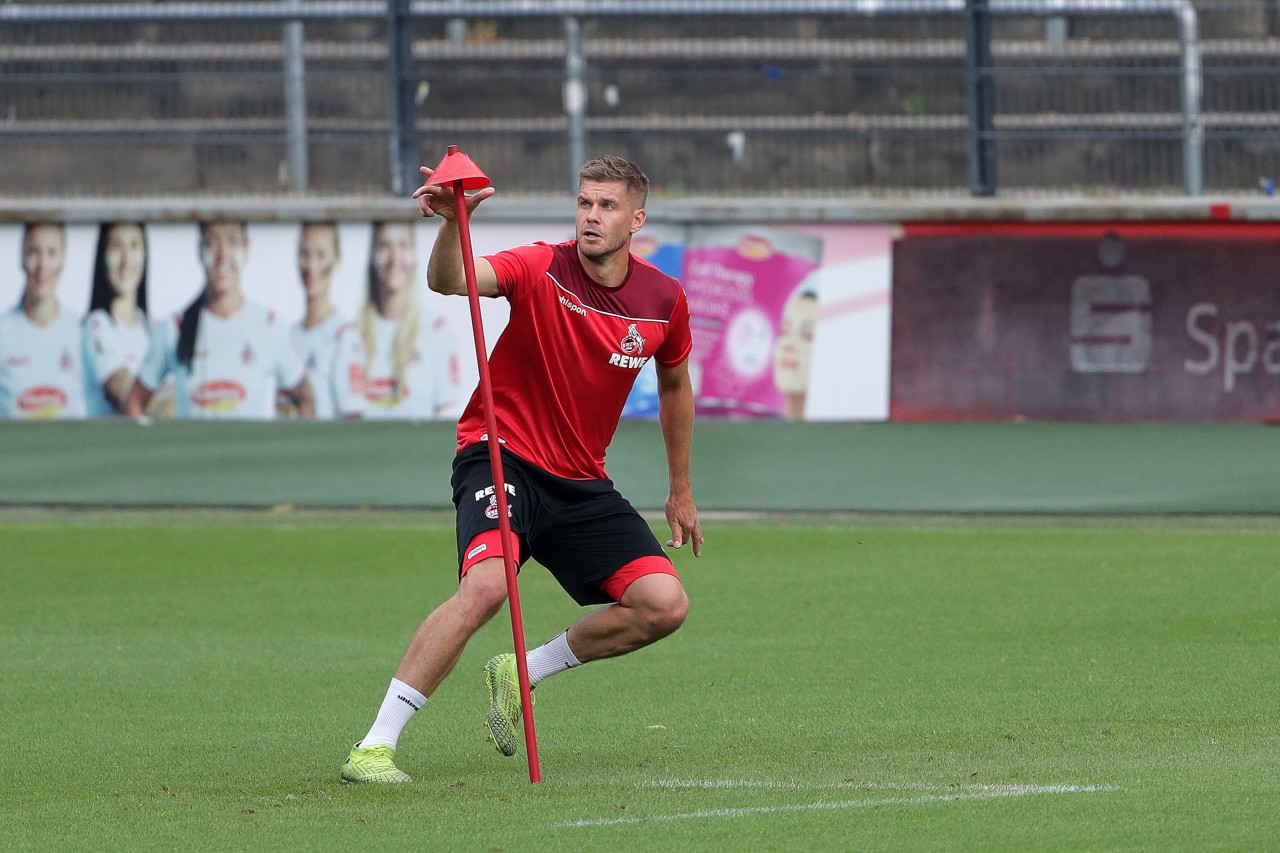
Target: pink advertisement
[{"x": 751, "y": 318}]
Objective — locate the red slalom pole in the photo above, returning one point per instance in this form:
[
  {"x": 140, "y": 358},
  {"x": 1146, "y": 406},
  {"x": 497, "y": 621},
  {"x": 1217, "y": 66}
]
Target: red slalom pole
[{"x": 457, "y": 170}]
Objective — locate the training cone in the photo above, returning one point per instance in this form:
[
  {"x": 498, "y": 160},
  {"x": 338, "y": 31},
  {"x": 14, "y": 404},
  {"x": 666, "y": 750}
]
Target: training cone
[{"x": 456, "y": 167}]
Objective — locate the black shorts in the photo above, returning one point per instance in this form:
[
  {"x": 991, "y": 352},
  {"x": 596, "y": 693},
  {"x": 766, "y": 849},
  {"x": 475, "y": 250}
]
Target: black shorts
[{"x": 582, "y": 531}]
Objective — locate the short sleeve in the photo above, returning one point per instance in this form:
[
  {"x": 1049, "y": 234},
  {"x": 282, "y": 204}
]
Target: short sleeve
[
  {"x": 678, "y": 342},
  {"x": 101, "y": 350},
  {"x": 161, "y": 355},
  {"x": 519, "y": 267}
]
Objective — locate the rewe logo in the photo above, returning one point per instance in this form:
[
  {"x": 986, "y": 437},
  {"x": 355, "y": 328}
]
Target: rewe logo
[{"x": 632, "y": 362}]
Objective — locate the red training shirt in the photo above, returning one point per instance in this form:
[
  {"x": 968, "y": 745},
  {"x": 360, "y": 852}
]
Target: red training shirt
[{"x": 563, "y": 366}]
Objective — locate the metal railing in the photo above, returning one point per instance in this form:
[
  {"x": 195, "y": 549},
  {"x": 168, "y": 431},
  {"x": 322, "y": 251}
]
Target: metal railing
[{"x": 393, "y": 59}]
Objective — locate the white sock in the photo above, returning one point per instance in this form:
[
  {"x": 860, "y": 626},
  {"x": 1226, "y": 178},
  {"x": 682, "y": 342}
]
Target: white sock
[
  {"x": 548, "y": 659},
  {"x": 398, "y": 708}
]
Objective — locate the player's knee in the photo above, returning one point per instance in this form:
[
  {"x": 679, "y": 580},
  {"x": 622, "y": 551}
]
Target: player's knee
[
  {"x": 483, "y": 591},
  {"x": 672, "y": 614},
  {"x": 663, "y": 608}
]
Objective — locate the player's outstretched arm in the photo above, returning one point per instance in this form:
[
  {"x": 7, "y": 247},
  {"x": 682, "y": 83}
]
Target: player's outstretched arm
[
  {"x": 445, "y": 272},
  {"x": 675, "y": 414}
]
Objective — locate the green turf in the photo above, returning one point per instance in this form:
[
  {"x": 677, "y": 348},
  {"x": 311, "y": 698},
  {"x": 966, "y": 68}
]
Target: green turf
[
  {"x": 193, "y": 683},
  {"x": 1047, "y": 468}
]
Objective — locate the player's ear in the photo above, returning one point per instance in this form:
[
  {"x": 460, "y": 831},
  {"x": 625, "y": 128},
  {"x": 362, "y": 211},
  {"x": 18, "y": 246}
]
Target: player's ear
[{"x": 638, "y": 220}]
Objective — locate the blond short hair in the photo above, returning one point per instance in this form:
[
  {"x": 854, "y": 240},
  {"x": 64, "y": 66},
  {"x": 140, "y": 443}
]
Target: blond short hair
[{"x": 611, "y": 168}]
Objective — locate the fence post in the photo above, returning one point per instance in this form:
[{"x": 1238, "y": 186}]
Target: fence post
[
  {"x": 1192, "y": 95},
  {"x": 575, "y": 99},
  {"x": 295, "y": 99},
  {"x": 402, "y": 83},
  {"x": 980, "y": 96}
]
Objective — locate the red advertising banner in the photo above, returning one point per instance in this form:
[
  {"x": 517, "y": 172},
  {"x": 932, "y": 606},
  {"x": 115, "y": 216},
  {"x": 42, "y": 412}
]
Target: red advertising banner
[{"x": 1091, "y": 322}]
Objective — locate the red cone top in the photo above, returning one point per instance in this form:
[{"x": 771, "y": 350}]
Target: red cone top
[{"x": 457, "y": 166}]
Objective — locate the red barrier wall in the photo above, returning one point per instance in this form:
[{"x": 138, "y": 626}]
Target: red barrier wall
[{"x": 1089, "y": 321}]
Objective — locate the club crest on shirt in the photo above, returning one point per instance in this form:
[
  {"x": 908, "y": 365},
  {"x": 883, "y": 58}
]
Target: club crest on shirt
[
  {"x": 247, "y": 355},
  {"x": 65, "y": 363},
  {"x": 632, "y": 345}
]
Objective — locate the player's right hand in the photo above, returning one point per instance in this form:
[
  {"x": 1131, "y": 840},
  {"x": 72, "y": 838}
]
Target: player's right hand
[{"x": 437, "y": 200}]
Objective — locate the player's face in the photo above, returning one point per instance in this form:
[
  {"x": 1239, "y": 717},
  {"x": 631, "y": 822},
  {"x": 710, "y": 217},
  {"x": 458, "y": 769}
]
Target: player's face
[
  {"x": 44, "y": 251},
  {"x": 125, "y": 258},
  {"x": 395, "y": 257},
  {"x": 606, "y": 218},
  {"x": 224, "y": 248},
  {"x": 317, "y": 258},
  {"x": 795, "y": 346}
]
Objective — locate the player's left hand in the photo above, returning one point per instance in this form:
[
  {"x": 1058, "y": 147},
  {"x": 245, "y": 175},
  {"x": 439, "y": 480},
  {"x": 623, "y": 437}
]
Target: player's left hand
[{"x": 682, "y": 516}]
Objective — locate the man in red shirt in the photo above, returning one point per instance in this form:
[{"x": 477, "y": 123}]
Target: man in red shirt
[{"x": 586, "y": 315}]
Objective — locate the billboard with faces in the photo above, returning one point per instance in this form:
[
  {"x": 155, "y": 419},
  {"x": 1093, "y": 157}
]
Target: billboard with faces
[{"x": 789, "y": 321}]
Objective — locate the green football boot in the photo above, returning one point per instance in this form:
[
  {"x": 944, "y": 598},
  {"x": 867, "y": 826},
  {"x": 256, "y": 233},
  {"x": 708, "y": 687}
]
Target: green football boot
[
  {"x": 503, "y": 719},
  {"x": 373, "y": 764}
]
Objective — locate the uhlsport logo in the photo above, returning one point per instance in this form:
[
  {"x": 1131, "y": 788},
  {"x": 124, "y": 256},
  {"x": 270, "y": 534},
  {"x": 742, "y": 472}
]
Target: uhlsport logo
[
  {"x": 632, "y": 346},
  {"x": 572, "y": 306}
]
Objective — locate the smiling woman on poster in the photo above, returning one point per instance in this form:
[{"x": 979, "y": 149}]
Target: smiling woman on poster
[
  {"x": 793, "y": 350},
  {"x": 412, "y": 368},
  {"x": 41, "y": 368},
  {"x": 329, "y": 344},
  {"x": 116, "y": 331},
  {"x": 227, "y": 355}
]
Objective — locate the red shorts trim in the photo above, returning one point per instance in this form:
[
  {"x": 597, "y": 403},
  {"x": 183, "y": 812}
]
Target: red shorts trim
[
  {"x": 484, "y": 545},
  {"x": 616, "y": 584}
]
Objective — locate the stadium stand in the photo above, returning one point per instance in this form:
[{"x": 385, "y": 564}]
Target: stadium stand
[{"x": 732, "y": 105}]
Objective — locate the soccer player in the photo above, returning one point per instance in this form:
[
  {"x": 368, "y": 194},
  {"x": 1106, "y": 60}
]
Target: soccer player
[
  {"x": 586, "y": 315},
  {"x": 116, "y": 331},
  {"x": 41, "y": 353},
  {"x": 226, "y": 354},
  {"x": 330, "y": 346},
  {"x": 412, "y": 362}
]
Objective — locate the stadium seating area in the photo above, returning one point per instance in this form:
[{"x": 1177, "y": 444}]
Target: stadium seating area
[{"x": 830, "y": 105}]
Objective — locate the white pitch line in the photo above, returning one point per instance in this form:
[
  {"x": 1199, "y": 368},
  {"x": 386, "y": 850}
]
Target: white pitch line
[
  {"x": 770, "y": 784},
  {"x": 974, "y": 792}
]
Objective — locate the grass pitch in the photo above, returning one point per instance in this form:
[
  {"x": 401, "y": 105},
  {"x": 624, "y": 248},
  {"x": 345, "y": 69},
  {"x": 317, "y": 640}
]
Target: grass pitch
[{"x": 192, "y": 681}]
